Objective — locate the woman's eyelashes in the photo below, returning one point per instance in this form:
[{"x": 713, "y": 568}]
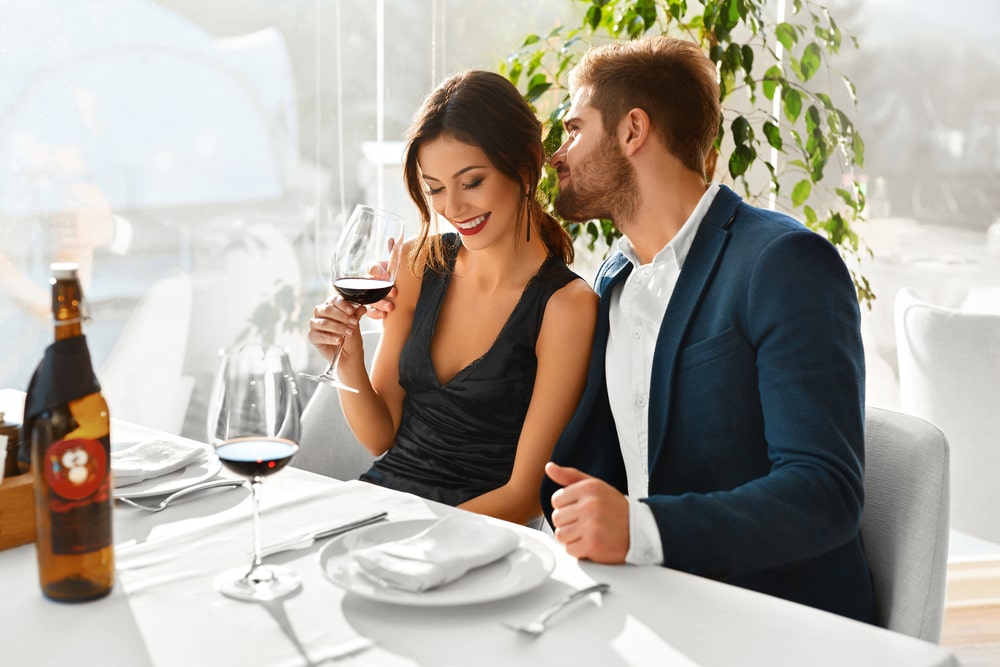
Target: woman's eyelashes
[{"x": 465, "y": 186}]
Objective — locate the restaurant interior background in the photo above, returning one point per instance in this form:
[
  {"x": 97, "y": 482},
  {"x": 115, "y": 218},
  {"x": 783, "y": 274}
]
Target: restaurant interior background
[{"x": 184, "y": 152}]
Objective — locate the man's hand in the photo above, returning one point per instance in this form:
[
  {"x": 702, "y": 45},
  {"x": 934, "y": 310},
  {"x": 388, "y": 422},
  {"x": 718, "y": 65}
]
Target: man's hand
[{"x": 590, "y": 516}]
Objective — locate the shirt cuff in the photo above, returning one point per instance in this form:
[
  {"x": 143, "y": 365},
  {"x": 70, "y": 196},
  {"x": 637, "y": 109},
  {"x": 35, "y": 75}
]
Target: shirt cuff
[{"x": 645, "y": 547}]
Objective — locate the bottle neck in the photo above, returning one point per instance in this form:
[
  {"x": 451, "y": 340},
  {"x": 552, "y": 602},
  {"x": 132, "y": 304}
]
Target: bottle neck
[
  {"x": 68, "y": 329},
  {"x": 67, "y": 302}
]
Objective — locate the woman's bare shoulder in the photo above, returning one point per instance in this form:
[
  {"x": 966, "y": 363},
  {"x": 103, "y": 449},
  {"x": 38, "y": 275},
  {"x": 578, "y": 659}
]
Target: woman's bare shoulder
[{"x": 574, "y": 302}]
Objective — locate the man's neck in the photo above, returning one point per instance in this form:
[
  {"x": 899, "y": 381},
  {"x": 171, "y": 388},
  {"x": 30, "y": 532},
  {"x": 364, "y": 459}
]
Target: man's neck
[{"x": 664, "y": 208}]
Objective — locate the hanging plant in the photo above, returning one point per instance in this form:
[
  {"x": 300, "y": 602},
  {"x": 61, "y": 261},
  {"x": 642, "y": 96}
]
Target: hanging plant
[{"x": 777, "y": 90}]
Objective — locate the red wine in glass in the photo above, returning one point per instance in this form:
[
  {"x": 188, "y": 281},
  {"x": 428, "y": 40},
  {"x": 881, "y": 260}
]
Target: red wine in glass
[
  {"x": 256, "y": 457},
  {"x": 362, "y": 291}
]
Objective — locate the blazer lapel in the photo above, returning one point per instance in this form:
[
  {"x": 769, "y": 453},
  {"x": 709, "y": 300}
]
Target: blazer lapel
[
  {"x": 612, "y": 273},
  {"x": 699, "y": 267}
]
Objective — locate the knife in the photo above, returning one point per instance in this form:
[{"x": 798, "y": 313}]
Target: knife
[{"x": 309, "y": 539}]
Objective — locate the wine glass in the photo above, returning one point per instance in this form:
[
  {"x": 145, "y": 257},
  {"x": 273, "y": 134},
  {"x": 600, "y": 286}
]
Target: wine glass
[
  {"x": 364, "y": 267},
  {"x": 253, "y": 423}
]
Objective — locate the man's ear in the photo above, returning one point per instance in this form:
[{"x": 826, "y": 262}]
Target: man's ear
[{"x": 634, "y": 130}]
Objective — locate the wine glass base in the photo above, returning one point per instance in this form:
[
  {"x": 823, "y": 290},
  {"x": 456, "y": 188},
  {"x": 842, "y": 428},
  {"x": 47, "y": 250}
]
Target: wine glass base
[
  {"x": 330, "y": 380},
  {"x": 264, "y": 583}
]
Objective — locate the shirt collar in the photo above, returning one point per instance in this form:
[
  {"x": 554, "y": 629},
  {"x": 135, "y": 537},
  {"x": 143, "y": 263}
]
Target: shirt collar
[{"x": 681, "y": 243}]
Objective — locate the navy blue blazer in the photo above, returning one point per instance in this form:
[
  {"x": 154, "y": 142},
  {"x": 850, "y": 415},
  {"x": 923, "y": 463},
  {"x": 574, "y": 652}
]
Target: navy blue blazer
[{"x": 756, "y": 412}]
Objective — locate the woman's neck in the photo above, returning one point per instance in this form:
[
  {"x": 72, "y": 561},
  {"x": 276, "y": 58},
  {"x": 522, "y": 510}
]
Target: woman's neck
[{"x": 501, "y": 267}]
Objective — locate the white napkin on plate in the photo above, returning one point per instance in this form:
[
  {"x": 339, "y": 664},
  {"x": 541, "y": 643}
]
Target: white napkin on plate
[
  {"x": 442, "y": 553},
  {"x": 152, "y": 458}
]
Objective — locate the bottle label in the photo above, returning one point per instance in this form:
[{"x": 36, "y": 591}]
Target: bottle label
[{"x": 76, "y": 471}]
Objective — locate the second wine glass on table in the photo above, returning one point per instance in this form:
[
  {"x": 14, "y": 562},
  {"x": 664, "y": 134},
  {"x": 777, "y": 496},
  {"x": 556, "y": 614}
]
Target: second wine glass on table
[
  {"x": 364, "y": 267},
  {"x": 253, "y": 423}
]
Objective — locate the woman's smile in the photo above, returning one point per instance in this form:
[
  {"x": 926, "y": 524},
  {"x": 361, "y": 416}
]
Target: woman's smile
[{"x": 472, "y": 225}]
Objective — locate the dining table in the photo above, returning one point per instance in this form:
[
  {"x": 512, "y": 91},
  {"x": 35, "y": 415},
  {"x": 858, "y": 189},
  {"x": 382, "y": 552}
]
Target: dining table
[{"x": 165, "y": 611}]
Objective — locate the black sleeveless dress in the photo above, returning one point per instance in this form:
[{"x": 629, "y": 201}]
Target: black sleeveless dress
[{"x": 457, "y": 441}]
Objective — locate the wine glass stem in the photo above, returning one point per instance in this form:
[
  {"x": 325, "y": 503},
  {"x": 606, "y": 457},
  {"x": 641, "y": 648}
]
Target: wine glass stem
[
  {"x": 255, "y": 499},
  {"x": 331, "y": 369}
]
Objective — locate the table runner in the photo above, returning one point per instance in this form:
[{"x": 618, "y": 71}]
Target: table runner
[{"x": 170, "y": 572}]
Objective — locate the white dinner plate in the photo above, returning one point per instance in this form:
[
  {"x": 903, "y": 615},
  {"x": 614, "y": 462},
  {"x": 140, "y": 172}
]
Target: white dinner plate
[
  {"x": 524, "y": 568},
  {"x": 199, "y": 471}
]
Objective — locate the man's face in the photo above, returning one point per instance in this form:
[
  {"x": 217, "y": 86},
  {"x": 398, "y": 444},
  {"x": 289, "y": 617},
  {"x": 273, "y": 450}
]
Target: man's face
[{"x": 596, "y": 180}]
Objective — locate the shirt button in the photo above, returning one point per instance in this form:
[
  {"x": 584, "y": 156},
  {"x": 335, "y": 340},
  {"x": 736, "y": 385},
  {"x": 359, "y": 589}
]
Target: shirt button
[
  {"x": 641, "y": 401},
  {"x": 636, "y": 334}
]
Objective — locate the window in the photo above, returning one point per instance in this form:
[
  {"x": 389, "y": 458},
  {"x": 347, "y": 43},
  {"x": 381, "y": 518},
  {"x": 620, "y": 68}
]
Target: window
[{"x": 183, "y": 152}]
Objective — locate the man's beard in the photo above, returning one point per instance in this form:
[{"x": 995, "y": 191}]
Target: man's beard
[{"x": 604, "y": 185}]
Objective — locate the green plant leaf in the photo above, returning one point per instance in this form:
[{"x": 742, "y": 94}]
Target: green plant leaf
[
  {"x": 847, "y": 197},
  {"x": 537, "y": 87},
  {"x": 747, "y": 57},
  {"x": 734, "y": 57},
  {"x": 812, "y": 119},
  {"x": 741, "y": 159},
  {"x": 858, "y": 148},
  {"x": 553, "y": 139},
  {"x": 810, "y": 216},
  {"x": 740, "y": 130},
  {"x": 801, "y": 192},
  {"x": 785, "y": 34},
  {"x": 773, "y": 134},
  {"x": 593, "y": 18},
  {"x": 810, "y": 61},
  {"x": 636, "y": 26},
  {"x": 792, "y": 103},
  {"x": 773, "y": 78}
]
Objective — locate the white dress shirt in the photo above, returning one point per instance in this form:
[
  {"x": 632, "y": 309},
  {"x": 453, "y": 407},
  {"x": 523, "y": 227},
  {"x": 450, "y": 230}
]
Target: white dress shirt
[{"x": 637, "y": 309}]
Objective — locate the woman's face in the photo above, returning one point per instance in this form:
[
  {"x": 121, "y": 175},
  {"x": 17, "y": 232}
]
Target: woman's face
[{"x": 466, "y": 189}]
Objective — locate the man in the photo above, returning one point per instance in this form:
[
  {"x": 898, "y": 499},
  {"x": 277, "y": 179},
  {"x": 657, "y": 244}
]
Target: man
[{"x": 722, "y": 428}]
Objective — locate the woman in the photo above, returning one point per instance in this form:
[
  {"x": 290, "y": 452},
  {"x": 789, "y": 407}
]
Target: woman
[{"x": 483, "y": 358}]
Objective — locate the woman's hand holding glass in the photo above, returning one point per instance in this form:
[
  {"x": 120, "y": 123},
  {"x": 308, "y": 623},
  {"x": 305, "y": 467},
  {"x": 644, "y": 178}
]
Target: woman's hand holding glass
[
  {"x": 334, "y": 324},
  {"x": 364, "y": 266}
]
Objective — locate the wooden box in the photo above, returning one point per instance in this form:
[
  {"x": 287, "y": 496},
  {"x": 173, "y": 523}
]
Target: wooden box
[{"x": 17, "y": 511}]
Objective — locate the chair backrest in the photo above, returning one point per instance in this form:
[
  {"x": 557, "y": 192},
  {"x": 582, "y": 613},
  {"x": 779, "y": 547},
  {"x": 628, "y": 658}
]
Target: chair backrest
[
  {"x": 142, "y": 379},
  {"x": 949, "y": 374},
  {"x": 905, "y": 521},
  {"x": 328, "y": 446}
]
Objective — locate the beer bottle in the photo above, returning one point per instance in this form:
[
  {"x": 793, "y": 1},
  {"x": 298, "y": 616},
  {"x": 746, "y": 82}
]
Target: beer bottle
[{"x": 70, "y": 457}]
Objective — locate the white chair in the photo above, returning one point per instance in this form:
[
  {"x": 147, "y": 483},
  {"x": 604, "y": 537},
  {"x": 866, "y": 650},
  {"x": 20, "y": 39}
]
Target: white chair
[
  {"x": 240, "y": 265},
  {"x": 328, "y": 446},
  {"x": 905, "y": 521},
  {"x": 949, "y": 373},
  {"x": 142, "y": 379}
]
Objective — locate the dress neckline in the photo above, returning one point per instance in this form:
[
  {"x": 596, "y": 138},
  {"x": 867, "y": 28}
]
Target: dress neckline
[{"x": 468, "y": 368}]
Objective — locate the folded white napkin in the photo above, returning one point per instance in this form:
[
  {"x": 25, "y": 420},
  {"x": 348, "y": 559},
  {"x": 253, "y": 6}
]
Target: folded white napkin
[
  {"x": 442, "y": 553},
  {"x": 152, "y": 458}
]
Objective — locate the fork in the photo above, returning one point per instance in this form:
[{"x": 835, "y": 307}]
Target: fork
[
  {"x": 162, "y": 505},
  {"x": 537, "y": 626}
]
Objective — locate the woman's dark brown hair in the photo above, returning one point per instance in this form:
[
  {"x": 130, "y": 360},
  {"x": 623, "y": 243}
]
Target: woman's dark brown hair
[{"x": 482, "y": 109}]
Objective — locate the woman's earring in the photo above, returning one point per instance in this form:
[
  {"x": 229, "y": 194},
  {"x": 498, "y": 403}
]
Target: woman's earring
[{"x": 527, "y": 194}]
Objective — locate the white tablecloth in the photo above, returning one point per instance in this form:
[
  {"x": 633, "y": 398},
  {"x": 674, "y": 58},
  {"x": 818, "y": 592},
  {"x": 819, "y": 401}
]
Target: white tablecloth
[{"x": 163, "y": 610}]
